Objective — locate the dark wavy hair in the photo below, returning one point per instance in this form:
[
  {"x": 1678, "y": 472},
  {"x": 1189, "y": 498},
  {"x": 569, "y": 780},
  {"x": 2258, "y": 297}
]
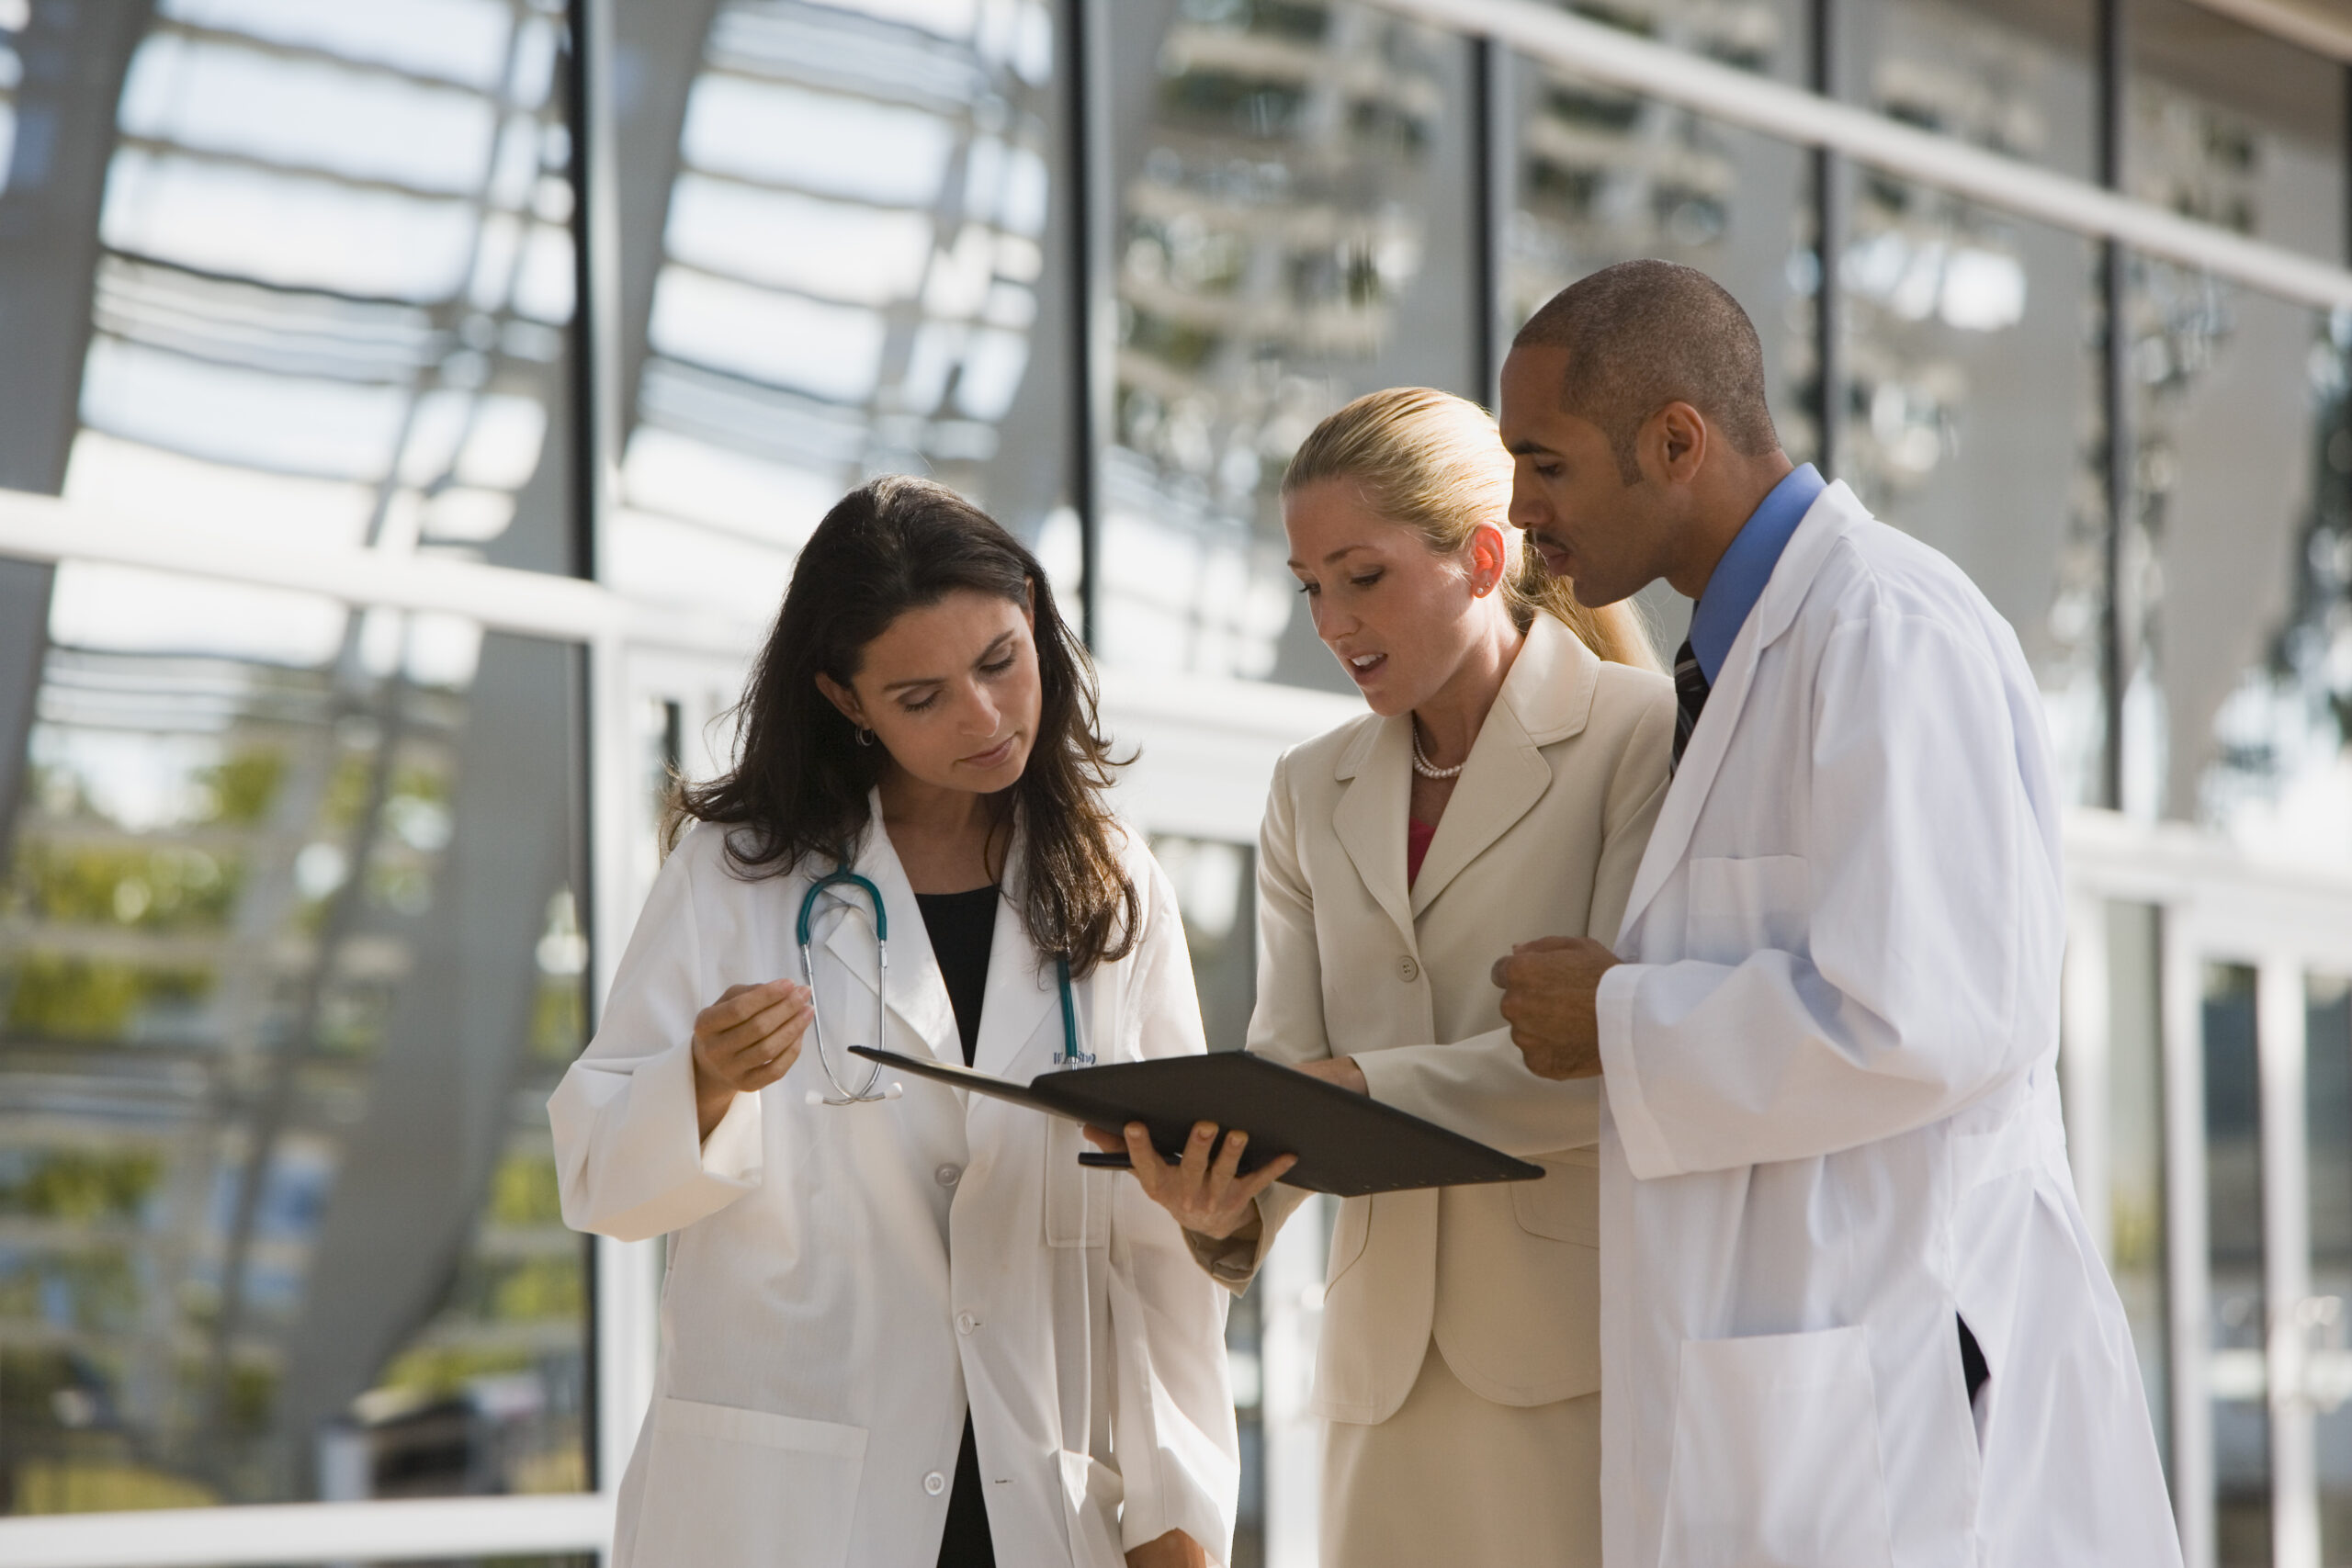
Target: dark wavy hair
[{"x": 798, "y": 788}]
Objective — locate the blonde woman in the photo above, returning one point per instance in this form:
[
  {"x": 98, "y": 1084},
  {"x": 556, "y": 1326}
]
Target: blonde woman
[{"x": 1503, "y": 785}]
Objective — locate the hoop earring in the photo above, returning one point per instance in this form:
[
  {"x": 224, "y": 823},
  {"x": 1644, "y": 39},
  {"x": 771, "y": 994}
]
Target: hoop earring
[{"x": 864, "y": 736}]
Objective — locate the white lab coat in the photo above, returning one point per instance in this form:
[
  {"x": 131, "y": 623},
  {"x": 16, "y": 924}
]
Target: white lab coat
[
  {"x": 1832, "y": 1114},
  {"x": 842, "y": 1277}
]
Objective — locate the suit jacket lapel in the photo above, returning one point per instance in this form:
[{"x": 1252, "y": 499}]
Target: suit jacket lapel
[
  {"x": 1370, "y": 817},
  {"x": 1547, "y": 697},
  {"x": 1828, "y": 518}
]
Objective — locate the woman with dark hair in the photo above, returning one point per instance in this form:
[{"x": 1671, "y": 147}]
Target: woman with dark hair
[{"x": 902, "y": 1327}]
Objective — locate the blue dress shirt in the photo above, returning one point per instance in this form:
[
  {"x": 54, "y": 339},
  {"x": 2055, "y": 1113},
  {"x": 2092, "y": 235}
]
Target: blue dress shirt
[{"x": 1747, "y": 565}]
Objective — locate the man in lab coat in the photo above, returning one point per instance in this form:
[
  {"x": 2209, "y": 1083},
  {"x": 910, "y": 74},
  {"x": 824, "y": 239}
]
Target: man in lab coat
[{"x": 1850, "y": 1316}]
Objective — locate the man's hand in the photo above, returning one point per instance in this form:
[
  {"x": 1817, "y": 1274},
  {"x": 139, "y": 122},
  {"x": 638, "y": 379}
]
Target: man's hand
[
  {"x": 1549, "y": 988},
  {"x": 1208, "y": 1196},
  {"x": 1174, "y": 1549}
]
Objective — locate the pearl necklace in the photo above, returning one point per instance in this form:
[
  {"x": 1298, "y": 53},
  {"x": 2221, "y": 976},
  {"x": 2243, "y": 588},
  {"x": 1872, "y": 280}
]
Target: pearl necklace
[{"x": 1423, "y": 766}]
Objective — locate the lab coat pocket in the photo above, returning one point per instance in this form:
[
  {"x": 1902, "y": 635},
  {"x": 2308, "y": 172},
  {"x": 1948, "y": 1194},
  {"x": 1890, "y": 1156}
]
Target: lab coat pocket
[
  {"x": 728, "y": 1488},
  {"x": 1740, "y": 904},
  {"x": 1776, "y": 1456},
  {"x": 1078, "y": 1201},
  {"x": 1092, "y": 1493},
  {"x": 1564, "y": 1206}
]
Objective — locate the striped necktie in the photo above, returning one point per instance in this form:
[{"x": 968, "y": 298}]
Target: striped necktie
[{"x": 1689, "y": 697}]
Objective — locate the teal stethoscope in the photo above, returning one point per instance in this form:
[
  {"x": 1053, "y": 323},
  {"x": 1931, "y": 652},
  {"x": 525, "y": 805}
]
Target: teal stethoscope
[{"x": 839, "y": 886}]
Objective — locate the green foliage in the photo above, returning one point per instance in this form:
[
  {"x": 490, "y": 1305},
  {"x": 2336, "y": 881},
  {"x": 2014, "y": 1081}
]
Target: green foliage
[
  {"x": 252, "y": 1394},
  {"x": 522, "y": 1191},
  {"x": 59, "y": 997},
  {"x": 98, "y": 1289},
  {"x": 354, "y": 1016},
  {"x": 243, "y": 786},
  {"x": 164, "y": 888},
  {"x": 30, "y": 1380},
  {"x": 539, "y": 1289},
  {"x": 558, "y": 1019},
  {"x": 76, "y": 1184},
  {"x": 442, "y": 1371},
  {"x": 1180, "y": 343},
  {"x": 347, "y": 789}
]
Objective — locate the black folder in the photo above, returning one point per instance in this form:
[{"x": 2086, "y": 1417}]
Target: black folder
[{"x": 1346, "y": 1144}]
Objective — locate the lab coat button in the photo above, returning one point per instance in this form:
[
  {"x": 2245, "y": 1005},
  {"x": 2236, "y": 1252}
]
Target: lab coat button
[
  {"x": 1407, "y": 970},
  {"x": 934, "y": 1484},
  {"x": 965, "y": 1323},
  {"x": 949, "y": 1175}
]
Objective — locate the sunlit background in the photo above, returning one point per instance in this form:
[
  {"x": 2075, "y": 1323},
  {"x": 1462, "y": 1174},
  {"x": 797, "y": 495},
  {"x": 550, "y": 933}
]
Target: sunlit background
[{"x": 315, "y": 842}]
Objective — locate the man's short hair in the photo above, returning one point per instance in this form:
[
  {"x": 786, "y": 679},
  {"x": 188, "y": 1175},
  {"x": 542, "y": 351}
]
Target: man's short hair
[{"x": 1646, "y": 333}]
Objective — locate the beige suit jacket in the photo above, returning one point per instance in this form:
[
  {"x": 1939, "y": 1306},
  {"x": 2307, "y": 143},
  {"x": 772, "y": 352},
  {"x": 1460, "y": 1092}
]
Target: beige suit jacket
[{"x": 1541, "y": 837}]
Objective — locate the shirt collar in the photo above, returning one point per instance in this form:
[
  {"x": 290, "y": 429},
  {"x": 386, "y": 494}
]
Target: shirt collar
[{"x": 1747, "y": 565}]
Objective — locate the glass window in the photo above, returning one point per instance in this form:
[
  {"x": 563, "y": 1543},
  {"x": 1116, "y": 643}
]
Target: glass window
[
  {"x": 2328, "y": 1128},
  {"x": 844, "y": 249},
  {"x": 1597, "y": 177},
  {"x": 2235, "y": 125},
  {"x": 1295, "y": 227},
  {"x": 1216, "y": 888},
  {"x": 1973, "y": 421},
  {"x": 2237, "y": 1372},
  {"x": 290, "y": 957},
  {"x": 13, "y": 23},
  {"x": 2239, "y": 548},
  {"x": 2241, "y": 556},
  {"x": 2012, "y": 76},
  {"x": 305, "y": 274}
]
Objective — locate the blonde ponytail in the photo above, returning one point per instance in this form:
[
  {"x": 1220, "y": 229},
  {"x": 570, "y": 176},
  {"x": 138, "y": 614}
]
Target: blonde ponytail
[{"x": 1434, "y": 463}]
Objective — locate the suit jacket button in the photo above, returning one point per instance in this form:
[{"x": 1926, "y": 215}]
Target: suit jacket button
[
  {"x": 934, "y": 1484},
  {"x": 1407, "y": 970}
]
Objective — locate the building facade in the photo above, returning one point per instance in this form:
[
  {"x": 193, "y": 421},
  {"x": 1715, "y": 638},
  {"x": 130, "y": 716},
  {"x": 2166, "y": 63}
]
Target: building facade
[{"x": 412, "y": 412}]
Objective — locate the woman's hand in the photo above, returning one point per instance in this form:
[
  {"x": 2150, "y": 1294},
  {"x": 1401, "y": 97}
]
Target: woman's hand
[
  {"x": 1208, "y": 1196},
  {"x": 744, "y": 1042},
  {"x": 1341, "y": 1070},
  {"x": 1174, "y": 1549}
]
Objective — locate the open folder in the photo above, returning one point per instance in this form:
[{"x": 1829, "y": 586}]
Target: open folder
[{"x": 1346, "y": 1144}]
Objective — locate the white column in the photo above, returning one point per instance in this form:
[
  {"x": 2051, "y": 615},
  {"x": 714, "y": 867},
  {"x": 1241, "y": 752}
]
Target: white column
[
  {"x": 1291, "y": 1316},
  {"x": 2287, "y": 1262},
  {"x": 628, "y": 1279},
  {"x": 2085, "y": 1036},
  {"x": 2188, "y": 1263}
]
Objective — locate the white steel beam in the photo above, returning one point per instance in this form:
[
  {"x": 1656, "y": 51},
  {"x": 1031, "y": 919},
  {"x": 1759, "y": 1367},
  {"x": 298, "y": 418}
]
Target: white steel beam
[
  {"x": 2316, "y": 25},
  {"x": 1620, "y": 60},
  {"x": 530, "y": 603},
  {"x": 312, "y": 1532}
]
